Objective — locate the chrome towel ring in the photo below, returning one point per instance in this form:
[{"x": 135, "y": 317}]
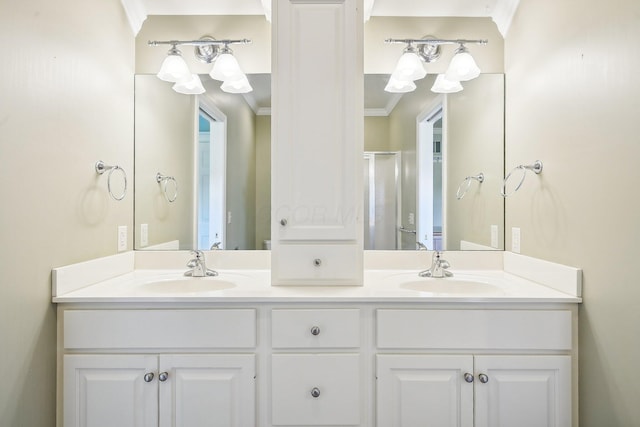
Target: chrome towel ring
[
  {"x": 536, "y": 167},
  {"x": 101, "y": 168},
  {"x": 164, "y": 181},
  {"x": 466, "y": 184}
]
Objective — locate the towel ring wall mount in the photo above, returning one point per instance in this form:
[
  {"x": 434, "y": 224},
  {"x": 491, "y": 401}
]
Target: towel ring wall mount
[{"x": 102, "y": 167}]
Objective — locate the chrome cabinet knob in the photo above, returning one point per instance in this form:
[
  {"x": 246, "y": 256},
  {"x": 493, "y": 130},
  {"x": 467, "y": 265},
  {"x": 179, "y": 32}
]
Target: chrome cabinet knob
[
  {"x": 283, "y": 222},
  {"x": 163, "y": 376},
  {"x": 148, "y": 377},
  {"x": 483, "y": 378},
  {"x": 315, "y": 392},
  {"x": 468, "y": 377},
  {"x": 317, "y": 262},
  {"x": 315, "y": 330}
]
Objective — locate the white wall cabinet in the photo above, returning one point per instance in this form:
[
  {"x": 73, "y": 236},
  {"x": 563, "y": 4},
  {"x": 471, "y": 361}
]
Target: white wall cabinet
[
  {"x": 317, "y": 75},
  {"x": 473, "y": 391},
  {"x": 159, "y": 390}
]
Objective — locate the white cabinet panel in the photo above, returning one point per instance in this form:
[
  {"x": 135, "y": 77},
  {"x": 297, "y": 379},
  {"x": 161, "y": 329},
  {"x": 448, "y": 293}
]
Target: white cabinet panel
[
  {"x": 317, "y": 264},
  {"x": 524, "y": 391},
  {"x": 474, "y": 329},
  {"x": 421, "y": 390},
  {"x": 207, "y": 391},
  {"x": 110, "y": 390},
  {"x": 336, "y": 380},
  {"x": 101, "y": 329}
]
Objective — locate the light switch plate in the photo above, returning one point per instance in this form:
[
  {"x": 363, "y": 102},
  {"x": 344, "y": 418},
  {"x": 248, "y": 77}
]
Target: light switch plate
[
  {"x": 412, "y": 218},
  {"x": 494, "y": 236},
  {"x": 144, "y": 235},
  {"x": 515, "y": 240},
  {"x": 122, "y": 238}
]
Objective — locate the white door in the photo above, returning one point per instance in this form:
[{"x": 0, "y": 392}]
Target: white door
[
  {"x": 523, "y": 391},
  {"x": 207, "y": 390},
  {"x": 110, "y": 390},
  {"x": 424, "y": 391}
]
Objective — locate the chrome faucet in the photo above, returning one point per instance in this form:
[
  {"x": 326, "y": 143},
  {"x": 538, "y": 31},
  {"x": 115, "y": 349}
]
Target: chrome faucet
[
  {"x": 215, "y": 246},
  {"x": 438, "y": 268},
  {"x": 198, "y": 266},
  {"x": 421, "y": 246}
]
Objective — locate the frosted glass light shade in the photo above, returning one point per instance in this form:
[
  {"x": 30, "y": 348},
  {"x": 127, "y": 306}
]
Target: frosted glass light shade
[
  {"x": 409, "y": 67},
  {"x": 237, "y": 86},
  {"x": 442, "y": 85},
  {"x": 462, "y": 67},
  {"x": 173, "y": 68},
  {"x": 399, "y": 86},
  {"x": 226, "y": 68},
  {"x": 190, "y": 86}
]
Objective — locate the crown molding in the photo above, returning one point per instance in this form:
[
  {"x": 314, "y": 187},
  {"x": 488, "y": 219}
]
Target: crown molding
[
  {"x": 503, "y": 14},
  {"x": 136, "y": 14}
]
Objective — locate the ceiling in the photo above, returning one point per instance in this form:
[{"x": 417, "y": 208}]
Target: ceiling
[
  {"x": 380, "y": 7},
  {"x": 501, "y": 11}
]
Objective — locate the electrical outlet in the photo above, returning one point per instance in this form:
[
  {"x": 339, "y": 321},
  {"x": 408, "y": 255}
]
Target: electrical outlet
[
  {"x": 494, "y": 236},
  {"x": 515, "y": 240},
  {"x": 412, "y": 218},
  {"x": 122, "y": 238},
  {"x": 144, "y": 235}
]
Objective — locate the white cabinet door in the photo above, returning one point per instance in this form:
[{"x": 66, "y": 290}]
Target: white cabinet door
[
  {"x": 207, "y": 390},
  {"x": 110, "y": 390},
  {"x": 523, "y": 391},
  {"x": 424, "y": 390}
]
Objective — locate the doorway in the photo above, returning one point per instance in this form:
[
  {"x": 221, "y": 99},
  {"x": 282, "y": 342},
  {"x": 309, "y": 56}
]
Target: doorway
[{"x": 210, "y": 167}]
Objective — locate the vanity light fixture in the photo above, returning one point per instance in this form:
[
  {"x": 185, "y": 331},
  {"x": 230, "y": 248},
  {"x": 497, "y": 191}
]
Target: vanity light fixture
[
  {"x": 399, "y": 86},
  {"x": 208, "y": 50},
  {"x": 427, "y": 49}
]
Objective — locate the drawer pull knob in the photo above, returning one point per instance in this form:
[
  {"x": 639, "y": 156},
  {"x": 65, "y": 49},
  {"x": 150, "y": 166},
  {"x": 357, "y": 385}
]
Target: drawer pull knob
[
  {"x": 148, "y": 377},
  {"x": 163, "y": 376},
  {"x": 283, "y": 222},
  {"x": 483, "y": 378},
  {"x": 315, "y": 330},
  {"x": 317, "y": 262},
  {"x": 315, "y": 392},
  {"x": 468, "y": 377}
]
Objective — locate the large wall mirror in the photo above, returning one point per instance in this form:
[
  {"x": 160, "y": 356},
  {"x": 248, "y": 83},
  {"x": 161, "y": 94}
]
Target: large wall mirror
[{"x": 202, "y": 163}]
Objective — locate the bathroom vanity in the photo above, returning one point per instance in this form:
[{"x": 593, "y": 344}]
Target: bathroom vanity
[{"x": 145, "y": 346}]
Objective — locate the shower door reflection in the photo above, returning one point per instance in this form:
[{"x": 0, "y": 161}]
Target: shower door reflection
[{"x": 381, "y": 200}]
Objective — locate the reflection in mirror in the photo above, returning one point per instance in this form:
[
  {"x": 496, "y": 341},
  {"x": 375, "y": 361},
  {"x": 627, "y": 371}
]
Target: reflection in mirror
[
  {"x": 419, "y": 147},
  {"x": 216, "y": 146}
]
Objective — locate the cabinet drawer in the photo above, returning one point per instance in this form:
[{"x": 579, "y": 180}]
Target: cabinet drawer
[
  {"x": 152, "y": 329},
  {"x": 315, "y": 328},
  {"x": 335, "y": 378},
  {"x": 474, "y": 329},
  {"x": 305, "y": 264}
]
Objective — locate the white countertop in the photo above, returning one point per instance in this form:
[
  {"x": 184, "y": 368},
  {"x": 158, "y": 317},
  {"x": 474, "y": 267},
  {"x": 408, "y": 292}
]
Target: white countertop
[{"x": 253, "y": 285}]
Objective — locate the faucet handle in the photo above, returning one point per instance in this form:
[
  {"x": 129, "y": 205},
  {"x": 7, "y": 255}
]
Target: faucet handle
[{"x": 197, "y": 253}]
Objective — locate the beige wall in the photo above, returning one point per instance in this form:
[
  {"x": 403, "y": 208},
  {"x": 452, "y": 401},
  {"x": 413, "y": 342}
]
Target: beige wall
[
  {"x": 164, "y": 142},
  {"x": 66, "y": 91},
  {"x": 573, "y": 101},
  {"x": 376, "y": 134}
]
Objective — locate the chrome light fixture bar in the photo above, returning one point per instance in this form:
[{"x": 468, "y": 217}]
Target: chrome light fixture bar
[
  {"x": 207, "y": 50},
  {"x": 427, "y": 49}
]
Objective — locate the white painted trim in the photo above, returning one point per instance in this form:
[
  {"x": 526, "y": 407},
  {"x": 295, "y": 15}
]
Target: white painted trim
[
  {"x": 503, "y": 14},
  {"x": 471, "y": 246},
  {"x": 556, "y": 276},
  {"x": 171, "y": 245},
  {"x": 263, "y": 111},
  {"x": 76, "y": 276},
  {"x": 376, "y": 112},
  {"x": 136, "y": 14}
]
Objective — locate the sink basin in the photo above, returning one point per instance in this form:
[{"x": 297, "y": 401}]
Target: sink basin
[
  {"x": 452, "y": 286},
  {"x": 186, "y": 285}
]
